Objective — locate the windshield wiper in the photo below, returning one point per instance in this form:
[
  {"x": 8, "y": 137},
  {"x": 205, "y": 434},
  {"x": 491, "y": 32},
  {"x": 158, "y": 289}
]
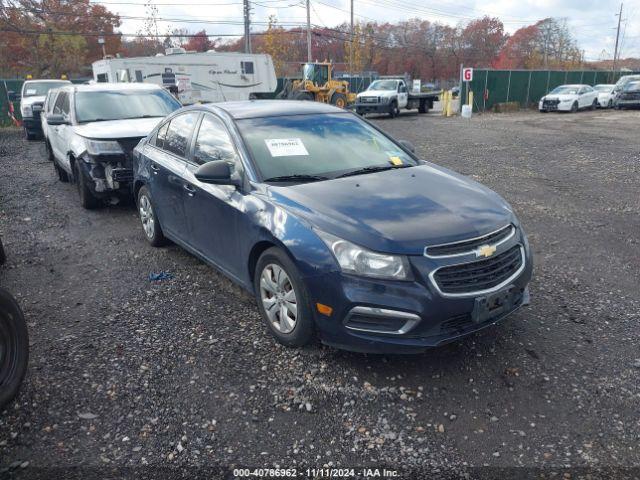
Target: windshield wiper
[
  {"x": 379, "y": 168},
  {"x": 297, "y": 177},
  {"x": 96, "y": 120}
]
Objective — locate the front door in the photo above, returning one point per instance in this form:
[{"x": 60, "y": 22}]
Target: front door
[{"x": 213, "y": 210}]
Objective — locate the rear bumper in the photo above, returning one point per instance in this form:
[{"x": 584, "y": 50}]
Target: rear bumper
[{"x": 392, "y": 317}]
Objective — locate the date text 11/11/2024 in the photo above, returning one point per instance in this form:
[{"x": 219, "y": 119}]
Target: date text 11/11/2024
[{"x": 315, "y": 473}]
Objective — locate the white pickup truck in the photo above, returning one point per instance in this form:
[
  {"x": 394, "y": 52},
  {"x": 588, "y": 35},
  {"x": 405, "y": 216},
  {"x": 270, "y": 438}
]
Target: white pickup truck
[{"x": 390, "y": 95}]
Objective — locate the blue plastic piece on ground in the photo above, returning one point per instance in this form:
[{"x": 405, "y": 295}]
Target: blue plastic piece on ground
[{"x": 158, "y": 277}]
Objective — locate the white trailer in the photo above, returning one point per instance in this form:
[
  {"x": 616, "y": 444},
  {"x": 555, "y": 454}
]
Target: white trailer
[{"x": 195, "y": 77}]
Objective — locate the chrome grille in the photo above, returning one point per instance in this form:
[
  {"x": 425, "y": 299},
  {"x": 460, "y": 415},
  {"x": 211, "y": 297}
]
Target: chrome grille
[
  {"x": 469, "y": 246},
  {"x": 480, "y": 276}
]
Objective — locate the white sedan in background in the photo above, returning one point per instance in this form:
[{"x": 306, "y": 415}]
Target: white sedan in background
[
  {"x": 569, "y": 98},
  {"x": 605, "y": 95}
]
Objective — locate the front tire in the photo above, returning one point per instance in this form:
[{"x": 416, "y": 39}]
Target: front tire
[
  {"x": 339, "y": 100},
  {"x": 282, "y": 299},
  {"x": 49, "y": 150},
  {"x": 150, "y": 224},
  {"x": 29, "y": 135},
  {"x": 594, "y": 105},
  {"x": 610, "y": 104},
  {"x": 394, "y": 111},
  {"x": 87, "y": 200},
  {"x": 574, "y": 107},
  {"x": 14, "y": 347}
]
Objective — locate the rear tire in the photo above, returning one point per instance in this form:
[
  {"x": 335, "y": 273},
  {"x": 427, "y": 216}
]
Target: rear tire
[
  {"x": 422, "y": 108},
  {"x": 150, "y": 224},
  {"x": 284, "y": 296},
  {"x": 47, "y": 146},
  {"x": 594, "y": 105},
  {"x": 14, "y": 347},
  {"x": 63, "y": 176},
  {"x": 87, "y": 200}
]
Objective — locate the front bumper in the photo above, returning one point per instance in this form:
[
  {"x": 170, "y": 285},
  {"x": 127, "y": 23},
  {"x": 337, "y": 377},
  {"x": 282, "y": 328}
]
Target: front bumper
[
  {"x": 372, "y": 108},
  {"x": 32, "y": 124},
  {"x": 628, "y": 103},
  {"x": 108, "y": 177},
  {"x": 560, "y": 107},
  {"x": 377, "y": 316}
]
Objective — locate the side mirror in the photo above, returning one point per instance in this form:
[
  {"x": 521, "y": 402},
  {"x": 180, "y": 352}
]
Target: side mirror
[
  {"x": 408, "y": 145},
  {"x": 217, "y": 172},
  {"x": 56, "y": 119}
]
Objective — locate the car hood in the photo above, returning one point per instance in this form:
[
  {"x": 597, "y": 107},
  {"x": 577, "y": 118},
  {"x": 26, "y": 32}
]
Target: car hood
[
  {"x": 377, "y": 93},
  {"x": 398, "y": 211},
  {"x": 129, "y": 128},
  {"x": 562, "y": 98},
  {"x": 31, "y": 100}
]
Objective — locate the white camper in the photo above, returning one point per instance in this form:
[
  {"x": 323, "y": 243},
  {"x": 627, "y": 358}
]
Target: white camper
[{"x": 195, "y": 77}]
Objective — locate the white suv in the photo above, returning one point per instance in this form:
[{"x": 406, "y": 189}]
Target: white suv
[
  {"x": 92, "y": 130},
  {"x": 31, "y": 100}
]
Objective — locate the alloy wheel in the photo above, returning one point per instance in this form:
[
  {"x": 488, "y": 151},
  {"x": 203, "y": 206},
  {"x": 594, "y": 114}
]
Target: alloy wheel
[
  {"x": 278, "y": 298},
  {"x": 147, "y": 216}
]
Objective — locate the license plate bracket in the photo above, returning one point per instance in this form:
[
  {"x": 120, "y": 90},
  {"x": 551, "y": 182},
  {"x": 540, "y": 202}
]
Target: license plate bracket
[{"x": 493, "y": 305}]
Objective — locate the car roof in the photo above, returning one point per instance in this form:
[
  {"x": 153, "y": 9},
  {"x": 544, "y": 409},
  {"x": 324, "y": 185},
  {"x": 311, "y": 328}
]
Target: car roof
[
  {"x": 112, "y": 87},
  {"x": 272, "y": 108},
  {"x": 575, "y": 85},
  {"x": 47, "y": 80}
]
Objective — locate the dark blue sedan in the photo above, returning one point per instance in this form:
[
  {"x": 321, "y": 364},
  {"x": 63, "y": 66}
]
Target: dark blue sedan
[{"x": 340, "y": 231}]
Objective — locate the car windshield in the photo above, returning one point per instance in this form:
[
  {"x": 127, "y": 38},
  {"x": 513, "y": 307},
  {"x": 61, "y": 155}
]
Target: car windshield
[
  {"x": 383, "y": 85},
  {"x": 319, "y": 145},
  {"x": 40, "y": 89},
  {"x": 565, "y": 91},
  {"x": 632, "y": 87},
  {"x": 603, "y": 88},
  {"x": 118, "y": 105},
  {"x": 626, "y": 79}
]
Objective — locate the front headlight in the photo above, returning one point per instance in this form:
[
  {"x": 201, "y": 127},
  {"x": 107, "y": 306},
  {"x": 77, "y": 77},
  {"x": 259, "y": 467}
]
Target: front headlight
[
  {"x": 360, "y": 261},
  {"x": 26, "y": 111},
  {"x": 102, "y": 147}
]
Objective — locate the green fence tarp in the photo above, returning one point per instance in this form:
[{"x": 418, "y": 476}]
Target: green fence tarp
[{"x": 526, "y": 87}]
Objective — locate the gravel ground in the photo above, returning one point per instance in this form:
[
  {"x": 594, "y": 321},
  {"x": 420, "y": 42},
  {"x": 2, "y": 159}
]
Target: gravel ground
[{"x": 180, "y": 376}]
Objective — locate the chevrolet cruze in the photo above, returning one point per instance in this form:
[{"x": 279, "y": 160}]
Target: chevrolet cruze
[{"x": 340, "y": 231}]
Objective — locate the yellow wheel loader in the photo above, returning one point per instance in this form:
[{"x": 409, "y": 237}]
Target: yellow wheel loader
[{"x": 318, "y": 85}]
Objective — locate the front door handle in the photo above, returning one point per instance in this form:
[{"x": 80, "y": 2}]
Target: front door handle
[
  {"x": 155, "y": 168},
  {"x": 190, "y": 190}
]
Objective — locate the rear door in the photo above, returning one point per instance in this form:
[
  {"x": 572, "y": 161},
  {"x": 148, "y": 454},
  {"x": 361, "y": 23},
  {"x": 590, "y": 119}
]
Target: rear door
[
  {"x": 167, "y": 165},
  {"x": 57, "y": 133},
  {"x": 213, "y": 210}
]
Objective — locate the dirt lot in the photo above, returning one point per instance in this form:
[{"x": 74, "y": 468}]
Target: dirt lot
[{"x": 181, "y": 374}]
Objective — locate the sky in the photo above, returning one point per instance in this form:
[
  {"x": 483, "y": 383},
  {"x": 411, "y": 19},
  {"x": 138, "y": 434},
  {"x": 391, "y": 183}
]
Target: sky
[{"x": 592, "y": 22}]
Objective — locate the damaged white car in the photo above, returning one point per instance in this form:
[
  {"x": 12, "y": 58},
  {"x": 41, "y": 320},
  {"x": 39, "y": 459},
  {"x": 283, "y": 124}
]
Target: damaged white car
[
  {"x": 569, "y": 98},
  {"x": 92, "y": 130}
]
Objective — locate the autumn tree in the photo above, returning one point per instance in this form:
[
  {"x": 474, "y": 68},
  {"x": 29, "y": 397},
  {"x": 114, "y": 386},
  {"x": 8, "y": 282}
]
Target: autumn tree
[
  {"x": 199, "y": 42},
  {"x": 275, "y": 42},
  {"x": 54, "y": 37}
]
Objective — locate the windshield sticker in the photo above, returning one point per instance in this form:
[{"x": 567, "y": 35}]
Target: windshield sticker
[
  {"x": 395, "y": 160},
  {"x": 285, "y": 147},
  {"x": 31, "y": 91}
]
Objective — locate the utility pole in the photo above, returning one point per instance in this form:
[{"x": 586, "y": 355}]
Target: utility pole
[
  {"x": 247, "y": 26},
  {"x": 615, "y": 53},
  {"x": 309, "y": 31},
  {"x": 351, "y": 49}
]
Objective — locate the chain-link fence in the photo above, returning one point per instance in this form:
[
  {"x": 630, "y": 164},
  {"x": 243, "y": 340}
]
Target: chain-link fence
[{"x": 526, "y": 87}]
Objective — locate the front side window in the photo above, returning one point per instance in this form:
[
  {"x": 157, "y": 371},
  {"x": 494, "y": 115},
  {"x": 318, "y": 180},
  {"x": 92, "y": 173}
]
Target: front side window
[
  {"x": 119, "y": 105},
  {"x": 213, "y": 142},
  {"x": 179, "y": 133},
  {"x": 161, "y": 135},
  {"x": 61, "y": 107},
  {"x": 326, "y": 145}
]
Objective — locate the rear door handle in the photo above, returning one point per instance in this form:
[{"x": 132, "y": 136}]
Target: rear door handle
[
  {"x": 155, "y": 168},
  {"x": 190, "y": 190}
]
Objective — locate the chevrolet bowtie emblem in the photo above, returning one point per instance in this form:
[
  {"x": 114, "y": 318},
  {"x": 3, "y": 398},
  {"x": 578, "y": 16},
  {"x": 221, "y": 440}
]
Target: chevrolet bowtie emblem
[{"x": 485, "y": 251}]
